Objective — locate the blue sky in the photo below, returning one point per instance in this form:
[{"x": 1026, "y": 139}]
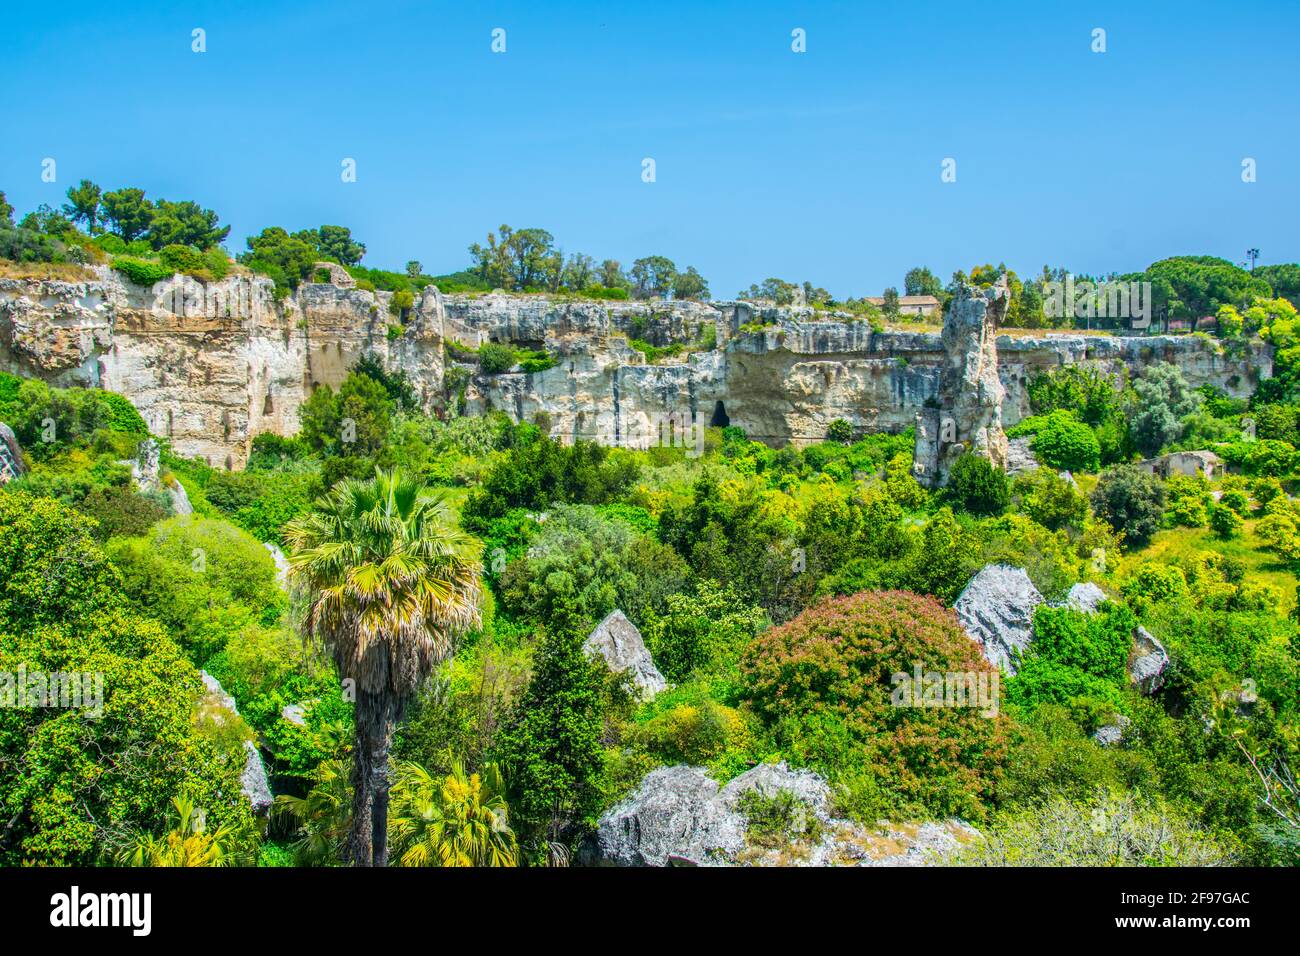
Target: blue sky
[{"x": 823, "y": 165}]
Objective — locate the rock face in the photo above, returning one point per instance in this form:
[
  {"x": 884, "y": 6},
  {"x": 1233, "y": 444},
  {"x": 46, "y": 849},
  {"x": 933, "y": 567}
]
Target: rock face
[
  {"x": 680, "y": 817},
  {"x": 253, "y": 780},
  {"x": 997, "y": 611},
  {"x": 11, "y": 456},
  {"x": 970, "y": 385},
  {"x": 619, "y": 643},
  {"x": 211, "y": 365},
  {"x": 1148, "y": 661},
  {"x": 1086, "y": 597}
]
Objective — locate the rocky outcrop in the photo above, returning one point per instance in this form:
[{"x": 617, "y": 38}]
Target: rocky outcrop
[
  {"x": 1085, "y": 597},
  {"x": 617, "y": 641},
  {"x": 11, "y": 456},
  {"x": 211, "y": 365},
  {"x": 1112, "y": 733},
  {"x": 253, "y": 781},
  {"x": 997, "y": 611},
  {"x": 679, "y": 816},
  {"x": 1148, "y": 661}
]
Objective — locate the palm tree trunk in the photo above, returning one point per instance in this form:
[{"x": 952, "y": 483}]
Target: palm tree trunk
[
  {"x": 368, "y": 838},
  {"x": 359, "y": 836}
]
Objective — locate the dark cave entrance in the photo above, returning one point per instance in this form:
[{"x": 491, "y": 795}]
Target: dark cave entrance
[{"x": 720, "y": 419}]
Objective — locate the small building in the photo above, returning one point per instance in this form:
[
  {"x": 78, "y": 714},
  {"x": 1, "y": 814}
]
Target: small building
[
  {"x": 924, "y": 305},
  {"x": 1205, "y": 463}
]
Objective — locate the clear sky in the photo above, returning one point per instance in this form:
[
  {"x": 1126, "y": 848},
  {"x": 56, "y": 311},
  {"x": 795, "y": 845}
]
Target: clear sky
[{"x": 823, "y": 165}]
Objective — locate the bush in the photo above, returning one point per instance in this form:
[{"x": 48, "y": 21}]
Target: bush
[
  {"x": 1065, "y": 442},
  {"x": 1189, "y": 501},
  {"x": 840, "y": 431},
  {"x": 845, "y": 662},
  {"x": 976, "y": 485},
  {"x": 1131, "y": 501},
  {"x": 1052, "y": 501},
  {"x": 141, "y": 271},
  {"x": 494, "y": 358},
  {"x": 1224, "y": 522}
]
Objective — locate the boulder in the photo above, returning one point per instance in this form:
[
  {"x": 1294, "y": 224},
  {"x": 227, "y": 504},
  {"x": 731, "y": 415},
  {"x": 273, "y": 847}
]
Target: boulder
[
  {"x": 997, "y": 611},
  {"x": 680, "y": 817},
  {"x": 281, "y": 564},
  {"x": 11, "y": 456},
  {"x": 1020, "y": 457},
  {"x": 146, "y": 466},
  {"x": 619, "y": 643},
  {"x": 1112, "y": 733},
  {"x": 179, "y": 499},
  {"x": 1085, "y": 597},
  {"x": 1148, "y": 661},
  {"x": 253, "y": 781},
  {"x": 675, "y": 817}
]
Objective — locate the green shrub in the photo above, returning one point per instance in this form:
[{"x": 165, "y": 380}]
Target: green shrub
[
  {"x": 1131, "y": 501},
  {"x": 978, "y": 486},
  {"x": 1065, "y": 442},
  {"x": 142, "y": 272},
  {"x": 495, "y": 358}
]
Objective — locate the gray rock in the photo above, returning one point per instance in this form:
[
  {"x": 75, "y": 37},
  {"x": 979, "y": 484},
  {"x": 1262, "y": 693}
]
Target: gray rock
[
  {"x": 619, "y": 643},
  {"x": 674, "y": 816},
  {"x": 146, "y": 467},
  {"x": 1112, "y": 733},
  {"x": 180, "y": 500},
  {"x": 1085, "y": 597},
  {"x": 11, "y": 456},
  {"x": 928, "y": 845},
  {"x": 295, "y": 714},
  {"x": 253, "y": 781},
  {"x": 1148, "y": 662},
  {"x": 1020, "y": 458},
  {"x": 997, "y": 611},
  {"x": 281, "y": 564},
  {"x": 771, "y": 778}
]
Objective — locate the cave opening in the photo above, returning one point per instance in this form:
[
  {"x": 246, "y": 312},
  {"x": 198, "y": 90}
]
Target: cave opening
[{"x": 720, "y": 418}]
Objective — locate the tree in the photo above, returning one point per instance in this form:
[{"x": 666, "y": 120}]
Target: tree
[
  {"x": 579, "y": 272},
  {"x": 1130, "y": 500},
  {"x": 188, "y": 843},
  {"x": 978, "y": 486},
  {"x": 335, "y": 243},
  {"x": 83, "y": 204},
  {"x": 653, "y": 277},
  {"x": 690, "y": 285},
  {"x": 7, "y": 211},
  {"x": 391, "y": 581},
  {"x": 414, "y": 269},
  {"x": 128, "y": 213},
  {"x": 921, "y": 281},
  {"x": 457, "y": 819},
  {"x": 1062, "y": 441},
  {"x": 185, "y": 224},
  {"x": 840, "y": 431},
  {"x": 890, "y": 306},
  {"x": 612, "y": 275},
  {"x": 1163, "y": 399},
  {"x": 551, "y": 748},
  {"x": 286, "y": 259}
]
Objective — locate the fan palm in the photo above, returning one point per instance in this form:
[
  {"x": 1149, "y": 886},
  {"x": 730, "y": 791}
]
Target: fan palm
[
  {"x": 390, "y": 581},
  {"x": 322, "y": 816},
  {"x": 188, "y": 843},
  {"x": 452, "y": 820}
]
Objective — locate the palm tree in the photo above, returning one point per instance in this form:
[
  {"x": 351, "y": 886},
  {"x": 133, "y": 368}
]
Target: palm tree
[
  {"x": 323, "y": 816},
  {"x": 188, "y": 843},
  {"x": 452, "y": 820},
  {"x": 390, "y": 580}
]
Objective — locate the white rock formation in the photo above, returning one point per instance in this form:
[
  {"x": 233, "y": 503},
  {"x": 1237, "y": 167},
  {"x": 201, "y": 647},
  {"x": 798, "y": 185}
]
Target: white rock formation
[
  {"x": 997, "y": 611},
  {"x": 1086, "y": 597},
  {"x": 253, "y": 781},
  {"x": 1148, "y": 662},
  {"x": 619, "y": 643}
]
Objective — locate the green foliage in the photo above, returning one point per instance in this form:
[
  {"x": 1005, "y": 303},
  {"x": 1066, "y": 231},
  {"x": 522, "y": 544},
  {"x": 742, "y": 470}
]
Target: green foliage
[
  {"x": 978, "y": 486},
  {"x": 1077, "y": 660},
  {"x": 61, "y": 612},
  {"x": 1131, "y": 501},
  {"x": 1049, "y": 499},
  {"x": 141, "y": 271},
  {"x": 839, "y": 431},
  {"x": 1162, "y": 399},
  {"x": 1188, "y": 502},
  {"x": 1062, "y": 441},
  {"x": 1081, "y": 390},
  {"x": 550, "y": 750},
  {"x": 702, "y": 631},
  {"x": 838, "y": 661}
]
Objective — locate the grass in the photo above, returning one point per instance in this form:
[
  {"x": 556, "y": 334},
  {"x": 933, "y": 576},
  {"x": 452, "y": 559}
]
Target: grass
[
  {"x": 64, "y": 271},
  {"x": 1262, "y": 567}
]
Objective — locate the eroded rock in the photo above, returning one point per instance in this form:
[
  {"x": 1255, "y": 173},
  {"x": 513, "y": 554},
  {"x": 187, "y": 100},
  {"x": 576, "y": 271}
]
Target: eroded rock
[
  {"x": 1148, "y": 661},
  {"x": 618, "y": 642},
  {"x": 1085, "y": 597},
  {"x": 997, "y": 611}
]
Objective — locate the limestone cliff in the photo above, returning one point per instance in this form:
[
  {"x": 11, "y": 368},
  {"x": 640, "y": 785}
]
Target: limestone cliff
[{"x": 213, "y": 365}]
